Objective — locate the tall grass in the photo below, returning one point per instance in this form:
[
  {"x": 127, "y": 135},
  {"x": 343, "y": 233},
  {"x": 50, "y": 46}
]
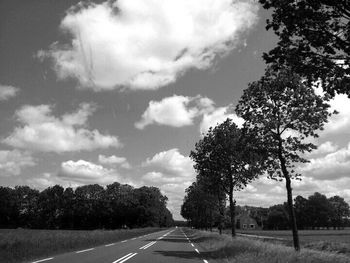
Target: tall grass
[
  {"x": 19, "y": 245},
  {"x": 243, "y": 250}
]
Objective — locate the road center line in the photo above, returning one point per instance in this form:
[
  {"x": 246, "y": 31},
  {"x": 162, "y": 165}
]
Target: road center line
[
  {"x": 85, "y": 250},
  {"x": 148, "y": 245},
  {"x": 197, "y": 251},
  {"x": 42, "y": 260},
  {"x": 128, "y": 258},
  {"x": 119, "y": 259}
]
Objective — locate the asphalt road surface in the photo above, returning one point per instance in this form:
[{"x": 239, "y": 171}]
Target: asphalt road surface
[{"x": 169, "y": 246}]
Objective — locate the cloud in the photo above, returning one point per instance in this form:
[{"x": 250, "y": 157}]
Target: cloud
[
  {"x": 146, "y": 44},
  {"x": 12, "y": 162},
  {"x": 326, "y": 147},
  {"x": 83, "y": 172},
  {"x": 7, "y": 92},
  {"x": 41, "y": 131},
  {"x": 332, "y": 166},
  {"x": 172, "y": 172},
  {"x": 114, "y": 160},
  {"x": 217, "y": 116},
  {"x": 175, "y": 111},
  {"x": 338, "y": 123}
]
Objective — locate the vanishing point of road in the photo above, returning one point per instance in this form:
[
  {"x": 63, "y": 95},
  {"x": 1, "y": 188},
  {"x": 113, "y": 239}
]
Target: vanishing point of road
[{"x": 175, "y": 245}]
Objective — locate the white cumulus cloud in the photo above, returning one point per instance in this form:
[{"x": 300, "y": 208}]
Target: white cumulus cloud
[
  {"x": 84, "y": 172},
  {"x": 40, "y": 130},
  {"x": 217, "y": 116},
  {"x": 114, "y": 160},
  {"x": 12, "y": 162},
  {"x": 147, "y": 44},
  {"x": 172, "y": 172},
  {"x": 7, "y": 92},
  {"x": 175, "y": 111}
]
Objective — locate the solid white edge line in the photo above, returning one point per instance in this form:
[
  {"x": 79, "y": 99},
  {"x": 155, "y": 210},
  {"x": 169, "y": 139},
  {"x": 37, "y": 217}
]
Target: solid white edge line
[
  {"x": 197, "y": 251},
  {"x": 42, "y": 260},
  {"x": 119, "y": 259},
  {"x": 128, "y": 258},
  {"x": 85, "y": 250}
]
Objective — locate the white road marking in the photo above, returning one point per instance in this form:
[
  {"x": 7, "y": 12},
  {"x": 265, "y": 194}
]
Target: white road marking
[
  {"x": 205, "y": 261},
  {"x": 128, "y": 258},
  {"x": 85, "y": 250},
  {"x": 148, "y": 245},
  {"x": 133, "y": 238},
  {"x": 42, "y": 260},
  {"x": 197, "y": 251},
  {"x": 124, "y": 241},
  {"x": 192, "y": 245},
  {"x": 112, "y": 244},
  {"x": 119, "y": 259}
]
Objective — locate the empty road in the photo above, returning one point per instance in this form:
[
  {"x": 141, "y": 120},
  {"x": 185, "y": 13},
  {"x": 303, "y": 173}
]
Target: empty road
[{"x": 170, "y": 246}]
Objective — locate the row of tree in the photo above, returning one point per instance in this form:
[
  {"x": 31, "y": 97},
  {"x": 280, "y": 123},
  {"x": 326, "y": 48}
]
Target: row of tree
[
  {"x": 281, "y": 109},
  {"x": 86, "y": 207}
]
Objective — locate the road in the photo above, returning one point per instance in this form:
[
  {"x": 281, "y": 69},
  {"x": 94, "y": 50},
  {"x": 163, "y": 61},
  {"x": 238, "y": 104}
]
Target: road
[{"x": 170, "y": 246}]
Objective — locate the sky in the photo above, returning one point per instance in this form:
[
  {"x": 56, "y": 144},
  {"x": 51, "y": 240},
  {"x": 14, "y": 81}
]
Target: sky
[{"x": 105, "y": 91}]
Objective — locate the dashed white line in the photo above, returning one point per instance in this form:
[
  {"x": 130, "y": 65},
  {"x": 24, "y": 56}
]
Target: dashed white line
[
  {"x": 124, "y": 241},
  {"x": 133, "y": 238},
  {"x": 85, "y": 250},
  {"x": 112, "y": 244},
  {"x": 197, "y": 251},
  {"x": 128, "y": 258},
  {"x": 42, "y": 260},
  {"x": 192, "y": 245},
  {"x": 205, "y": 261}
]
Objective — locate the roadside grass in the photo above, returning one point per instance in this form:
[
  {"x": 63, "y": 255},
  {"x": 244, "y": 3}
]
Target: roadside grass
[
  {"x": 246, "y": 250},
  {"x": 23, "y": 245},
  {"x": 336, "y": 241}
]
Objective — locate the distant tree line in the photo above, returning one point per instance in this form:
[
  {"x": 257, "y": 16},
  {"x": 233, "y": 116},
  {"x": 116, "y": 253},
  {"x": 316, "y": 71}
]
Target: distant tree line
[
  {"x": 86, "y": 207},
  {"x": 315, "y": 212}
]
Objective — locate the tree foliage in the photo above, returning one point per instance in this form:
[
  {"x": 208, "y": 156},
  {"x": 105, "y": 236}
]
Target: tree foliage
[
  {"x": 86, "y": 207},
  {"x": 283, "y": 110},
  {"x": 227, "y": 158},
  {"x": 314, "y": 39}
]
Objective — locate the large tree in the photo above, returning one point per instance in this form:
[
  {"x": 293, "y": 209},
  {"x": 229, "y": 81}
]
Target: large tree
[
  {"x": 227, "y": 156},
  {"x": 283, "y": 110},
  {"x": 314, "y": 39}
]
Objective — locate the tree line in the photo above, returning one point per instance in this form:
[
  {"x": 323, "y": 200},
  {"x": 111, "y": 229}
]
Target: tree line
[
  {"x": 86, "y": 207},
  {"x": 281, "y": 111}
]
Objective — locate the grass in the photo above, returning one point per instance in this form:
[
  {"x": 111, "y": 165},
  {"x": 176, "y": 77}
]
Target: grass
[
  {"x": 337, "y": 241},
  {"x": 22, "y": 245},
  {"x": 243, "y": 250}
]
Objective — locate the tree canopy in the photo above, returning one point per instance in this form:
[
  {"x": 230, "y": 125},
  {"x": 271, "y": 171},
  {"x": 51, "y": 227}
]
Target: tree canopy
[
  {"x": 283, "y": 110},
  {"x": 314, "y": 39}
]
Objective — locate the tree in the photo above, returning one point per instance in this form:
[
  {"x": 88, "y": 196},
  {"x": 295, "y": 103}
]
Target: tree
[
  {"x": 301, "y": 212},
  {"x": 199, "y": 207},
  {"x": 283, "y": 110},
  {"x": 319, "y": 210},
  {"x": 227, "y": 157},
  {"x": 314, "y": 39},
  {"x": 277, "y": 217},
  {"x": 341, "y": 211}
]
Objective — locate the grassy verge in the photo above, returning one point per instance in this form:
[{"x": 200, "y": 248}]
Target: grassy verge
[
  {"x": 21, "y": 245},
  {"x": 225, "y": 249}
]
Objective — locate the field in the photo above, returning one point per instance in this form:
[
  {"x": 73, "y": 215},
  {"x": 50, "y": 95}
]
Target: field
[
  {"x": 306, "y": 236},
  {"x": 247, "y": 250},
  {"x": 18, "y": 245}
]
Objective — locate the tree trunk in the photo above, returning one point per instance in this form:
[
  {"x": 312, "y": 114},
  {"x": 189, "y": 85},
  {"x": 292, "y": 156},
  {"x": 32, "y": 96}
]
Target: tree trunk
[
  {"x": 293, "y": 221},
  {"x": 232, "y": 214},
  {"x": 221, "y": 214}
]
